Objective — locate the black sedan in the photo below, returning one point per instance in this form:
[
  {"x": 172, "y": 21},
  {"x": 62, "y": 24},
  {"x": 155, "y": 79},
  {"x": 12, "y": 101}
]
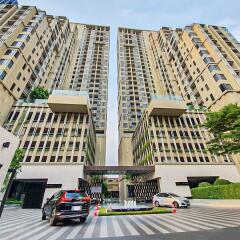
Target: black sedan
[{"x": 66, "y": 204}]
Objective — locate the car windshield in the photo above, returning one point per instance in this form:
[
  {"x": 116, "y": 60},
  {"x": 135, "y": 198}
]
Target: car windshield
[
  {"x": 173, "y": 195},
  {"x": 75, "y": 194}
]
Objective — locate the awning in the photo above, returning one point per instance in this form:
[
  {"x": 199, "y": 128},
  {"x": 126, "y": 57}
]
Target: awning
[{"x": 118, "y": 170}]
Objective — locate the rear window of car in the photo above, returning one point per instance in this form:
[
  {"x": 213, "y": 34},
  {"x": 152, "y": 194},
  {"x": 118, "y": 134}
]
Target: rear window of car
[{"x": 75, "y": 194}]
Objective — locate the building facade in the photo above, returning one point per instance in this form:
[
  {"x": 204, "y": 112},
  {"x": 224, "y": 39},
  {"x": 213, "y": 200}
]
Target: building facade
[
  {"x": 14, "y": 2},
  {"x": 37, "y": 52},
  {"x": 159, "y": 72},
  {"x": 68, "y": 131}
]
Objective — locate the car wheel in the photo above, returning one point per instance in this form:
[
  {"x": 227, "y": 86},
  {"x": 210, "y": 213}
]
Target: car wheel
[
  {"x": 52, "y": 219},
  {"x": 83, "y": 219},
  {"x": 175, "y": 204},
  {"x": 44, "y": 217},
  {"x": 185, "y": 206},
  {"x": 156, "y": 204}
]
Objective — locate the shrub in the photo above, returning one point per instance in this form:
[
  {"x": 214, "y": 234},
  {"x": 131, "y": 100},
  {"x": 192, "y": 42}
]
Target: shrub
[
  {"x": 39, "y": 93},
  {"x": 221, "y": 182},
  {"x": 204, "y": 184},
  {"x": 230, "y": 191},
  {"x": 102, "y": 212}
]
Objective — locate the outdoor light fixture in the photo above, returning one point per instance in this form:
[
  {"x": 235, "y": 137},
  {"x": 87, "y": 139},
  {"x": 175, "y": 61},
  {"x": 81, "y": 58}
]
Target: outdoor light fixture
[{"x": 6, "y": 144}]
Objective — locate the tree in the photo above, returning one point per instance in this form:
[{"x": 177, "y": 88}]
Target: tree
[
  {"x": 39, "y": 93},
  {"x": 104, "y": 188},
  {"x": 15, "y": 165},
  {"x": 225, "y": 126}
]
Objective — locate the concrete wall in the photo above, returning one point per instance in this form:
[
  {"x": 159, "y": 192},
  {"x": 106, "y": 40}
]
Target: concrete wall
[
  {"x": 125, "y": 157},
  {"x": 67, "y": 175},
  {"x": 168, "y": 175},
  {"x": 100, "y": 154},
  {"x": 6, "y": 154}
]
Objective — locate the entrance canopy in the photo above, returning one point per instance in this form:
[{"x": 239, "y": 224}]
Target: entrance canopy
[{"x": 119, "y": 170}]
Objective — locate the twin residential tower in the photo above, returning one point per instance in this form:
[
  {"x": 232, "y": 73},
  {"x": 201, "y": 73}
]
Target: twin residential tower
[{"x": 167, "y": 80}]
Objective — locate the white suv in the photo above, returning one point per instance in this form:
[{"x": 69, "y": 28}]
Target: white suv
[{"x": 170, "y": 199}]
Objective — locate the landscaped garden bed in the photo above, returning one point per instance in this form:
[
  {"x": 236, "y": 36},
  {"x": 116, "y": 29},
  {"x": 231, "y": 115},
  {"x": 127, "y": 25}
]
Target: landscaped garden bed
[{"x": 104, "y": 212}]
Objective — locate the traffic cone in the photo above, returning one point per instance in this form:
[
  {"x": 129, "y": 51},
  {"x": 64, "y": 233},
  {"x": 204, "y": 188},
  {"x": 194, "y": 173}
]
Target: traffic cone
[
  {"x": 95, "y": 213},
  {"x": 174, "y": 210}
]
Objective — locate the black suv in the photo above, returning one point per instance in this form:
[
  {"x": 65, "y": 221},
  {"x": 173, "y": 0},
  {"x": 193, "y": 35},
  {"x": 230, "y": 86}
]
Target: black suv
[{"x": 66, "y": 204}]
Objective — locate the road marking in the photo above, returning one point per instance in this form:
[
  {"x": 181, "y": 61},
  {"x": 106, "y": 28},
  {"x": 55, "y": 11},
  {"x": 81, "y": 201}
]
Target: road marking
[
  {"x": 117, "y": 228},
  {"x": 130, "y": 227},
  {"x": 141, "y": 226},
  {"x": 157, "y": 226},
  {"x": 10, "y": 228},
  {"x": 31, "y": 232},
  {"x": 74, "y": 232},
  {"x": 179, "y": 223},
  {"x": 15, "y": 234},
  {"x": 42, "y": 234},
  {"x": 103, "y": 229},
  {"x": 170, "y": 226},
  {"x": 89, "y": 231},
  {"x": 58, "y": 233}
]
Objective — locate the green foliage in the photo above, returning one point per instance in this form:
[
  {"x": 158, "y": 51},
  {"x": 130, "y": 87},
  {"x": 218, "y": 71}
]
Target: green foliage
[
  {"x": 17, "y": 159},
  {"x": 146, "y": 159},
  {"x": 15, "y": 164},
  {"x": 225, "y": 125},
  {"x": 103, "y": 212},
  {"x": 13, "y": 201},
  {"x": 230, "y": 191},
  {"x": 104, "y": 189},
  {"x": 221, "y": 182},
  {"x": 204, "y": 184},
  {"x": 128, "y": 176},
  {"x": 39, "y": 93}
]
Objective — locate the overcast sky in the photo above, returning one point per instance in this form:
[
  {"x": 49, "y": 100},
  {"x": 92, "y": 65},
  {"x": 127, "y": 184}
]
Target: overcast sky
[{"x": 142, "y": 14}]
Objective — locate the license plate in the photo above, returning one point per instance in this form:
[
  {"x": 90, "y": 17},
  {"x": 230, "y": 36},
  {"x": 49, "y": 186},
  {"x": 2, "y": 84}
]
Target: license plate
[{"x": 76, "y": 208}]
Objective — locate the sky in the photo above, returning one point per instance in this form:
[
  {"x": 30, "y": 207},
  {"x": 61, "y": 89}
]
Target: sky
[{"x": 141, "y": 14}]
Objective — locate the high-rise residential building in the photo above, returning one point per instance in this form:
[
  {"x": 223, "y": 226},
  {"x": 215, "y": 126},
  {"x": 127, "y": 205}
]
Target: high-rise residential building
[
  {"x": 14, "y": 2},
  {"x": 167, "y": 80},
  {"x": 68, "y": 131},
  {"x": 88, "y": 71}
]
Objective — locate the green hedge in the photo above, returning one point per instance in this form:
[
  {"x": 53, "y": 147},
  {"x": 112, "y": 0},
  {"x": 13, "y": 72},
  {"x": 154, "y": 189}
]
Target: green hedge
[
  {"x": 221, "y": 182},
  {"x": 230, "y": 191},
  {"x": 204, "y": 184},
  {"x": 13, "y": 201},
  {"x": 157, "y": 210}
]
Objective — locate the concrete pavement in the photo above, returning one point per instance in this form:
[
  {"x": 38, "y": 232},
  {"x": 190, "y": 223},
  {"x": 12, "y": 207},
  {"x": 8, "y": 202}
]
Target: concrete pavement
[{"x": 26, "y": 224}]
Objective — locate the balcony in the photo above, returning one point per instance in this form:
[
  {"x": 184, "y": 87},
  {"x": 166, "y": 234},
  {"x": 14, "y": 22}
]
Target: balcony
[
  {"x": 69, "y": 101},
  {"x": 166, "y": 105}
]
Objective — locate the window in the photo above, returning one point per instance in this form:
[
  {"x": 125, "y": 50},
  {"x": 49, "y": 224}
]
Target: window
[
  {"x": 24, "y": 36},
  {"x": 24, "y": 66},
  {"x": 2, "y": 74},
  {"x": 225, "y": 87},
  {"x": 213, "y": 67},
  {"x": 202, "y": 52},
  {"x": 19, "y": 76},
  {"x": 212, "y": 97},
  {"x": 13, "y": 86},
  {"x": 18, "y": 44},
  {"x": 11, "y": 52},
  {"x": 208, "y": 60},
  {"x": 6, "y": 62},
  {"x": 218, "y": 77}
]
